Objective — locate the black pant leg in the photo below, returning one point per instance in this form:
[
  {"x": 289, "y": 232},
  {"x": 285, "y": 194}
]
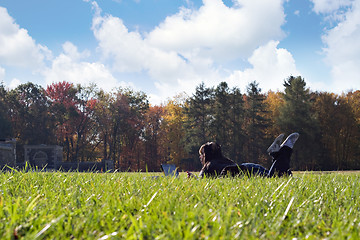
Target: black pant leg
[{"x": 281, "y": 162}]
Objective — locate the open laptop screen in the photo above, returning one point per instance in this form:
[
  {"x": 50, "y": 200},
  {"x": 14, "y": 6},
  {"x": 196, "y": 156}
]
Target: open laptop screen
[{"x": 169, "y": 170}]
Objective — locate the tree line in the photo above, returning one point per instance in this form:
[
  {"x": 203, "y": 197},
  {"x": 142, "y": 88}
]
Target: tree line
[{"x": 91, "y": 124}]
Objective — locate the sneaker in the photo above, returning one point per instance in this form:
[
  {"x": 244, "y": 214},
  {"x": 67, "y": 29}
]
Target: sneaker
[
  {"x": 290, "y": 140},
  {"x": 275, "y": 146}
]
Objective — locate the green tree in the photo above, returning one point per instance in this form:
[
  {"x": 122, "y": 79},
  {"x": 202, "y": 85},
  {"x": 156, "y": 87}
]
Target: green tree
[
  {"x": 295, "y": 115},
  {"x": 5, "y": 123},
  {"x": 255, "y": 123},
  {"x": 236, "y": 136},
  {"x": 220, "y": 126},
  {"x": 199, "y": 116},
  {"x": 29, "y": 112},
  {"x": 228, "y": 120}
]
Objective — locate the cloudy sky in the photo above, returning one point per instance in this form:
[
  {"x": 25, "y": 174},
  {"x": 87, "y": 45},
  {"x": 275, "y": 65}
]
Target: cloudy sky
[{"x": 165, "y": 47}]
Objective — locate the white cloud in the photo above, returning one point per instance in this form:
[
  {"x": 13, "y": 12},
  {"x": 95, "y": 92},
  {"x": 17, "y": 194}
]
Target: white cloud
[
  {"x": 72, "y": 51},
  {"x": 130, "y": 52},
  {"x": 68, "y": 66},
  {"x": 271, "y": 66},
  {"x": 14, "y": 83},
  {"x": 17, "y": 47},
  {"x": 127, "y": 49},
  {"x": 220, "y": 32},
  {"x": 329, "y": 6},
  {"x": 191, "y": 46},
  {"x": 343, "y": 50},
  {"x": 2, "y": 74}
]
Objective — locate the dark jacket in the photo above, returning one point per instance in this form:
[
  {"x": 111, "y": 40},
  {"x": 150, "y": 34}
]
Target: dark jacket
[{"x": 214, "y": 167}]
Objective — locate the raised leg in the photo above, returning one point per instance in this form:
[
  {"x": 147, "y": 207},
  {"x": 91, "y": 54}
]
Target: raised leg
[
  {"x": 275, "y": 146},
  {"x": 281, "y": 162},
  {"x": 281, "y": 159}
]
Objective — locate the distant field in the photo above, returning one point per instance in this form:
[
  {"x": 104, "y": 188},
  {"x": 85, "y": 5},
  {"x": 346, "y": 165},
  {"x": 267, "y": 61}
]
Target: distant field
[{"x": 38, "y": 205}]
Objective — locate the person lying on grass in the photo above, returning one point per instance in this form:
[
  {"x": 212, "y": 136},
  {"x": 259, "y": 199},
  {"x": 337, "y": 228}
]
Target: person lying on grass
[{"x": 215, "y": 164}]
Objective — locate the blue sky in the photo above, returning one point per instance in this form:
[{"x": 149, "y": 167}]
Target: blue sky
[{"x": 167, "y": 47}]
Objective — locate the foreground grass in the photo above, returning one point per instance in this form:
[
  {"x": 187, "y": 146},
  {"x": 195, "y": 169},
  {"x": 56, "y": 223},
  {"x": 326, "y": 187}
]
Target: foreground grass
[{"x": 39, "y": 205}]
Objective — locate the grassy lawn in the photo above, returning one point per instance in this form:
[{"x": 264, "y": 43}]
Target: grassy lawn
[{"x": 41, "y": 205}]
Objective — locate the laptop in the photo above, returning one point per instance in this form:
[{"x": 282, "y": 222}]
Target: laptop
[{"x": 170, "y": 170}]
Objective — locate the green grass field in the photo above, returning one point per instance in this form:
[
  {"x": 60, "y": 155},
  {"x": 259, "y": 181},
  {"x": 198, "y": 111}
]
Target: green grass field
[{"x": 42, "y": 205}]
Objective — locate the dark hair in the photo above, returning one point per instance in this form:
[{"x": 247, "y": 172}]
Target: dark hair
[{"x": 211, "y": 150}]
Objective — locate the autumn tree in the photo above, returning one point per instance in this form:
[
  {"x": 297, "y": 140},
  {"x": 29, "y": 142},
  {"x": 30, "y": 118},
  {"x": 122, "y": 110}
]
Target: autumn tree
[
  {"x": 273, "y": 101},
  {"x": 84, "y": 124},
  {"x": 72, "y": 108},
  {"x": 339, "y": 130},
  {"x": 327, "y": 106},
  {"x": 103, "y": 117},
  {"x": 62, "y": 96},
  {"x": 155, "y": 152},
  {"x": 119, "y": 110},
  {"x": 173, "y": 127},
  {"x": 353, "y": 98},
  {"x": 129, "y": 122}
]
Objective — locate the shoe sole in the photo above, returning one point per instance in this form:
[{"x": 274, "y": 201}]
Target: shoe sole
[
  {"x": 276, "y": 141},
  {"x": 289, "y": 137}
]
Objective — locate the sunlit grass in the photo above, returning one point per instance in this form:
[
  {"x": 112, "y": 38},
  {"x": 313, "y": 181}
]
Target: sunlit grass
[{"x": 40, "y": 205}]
